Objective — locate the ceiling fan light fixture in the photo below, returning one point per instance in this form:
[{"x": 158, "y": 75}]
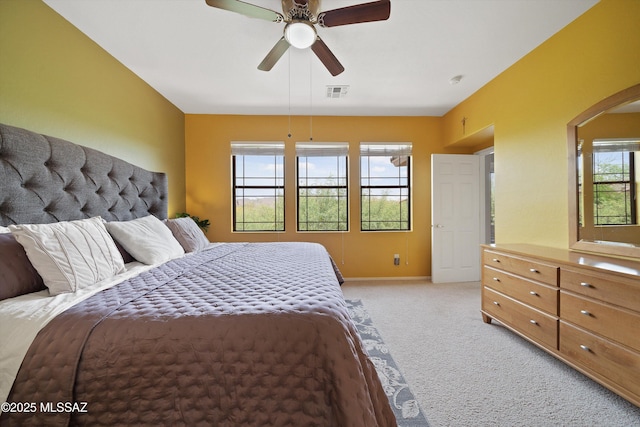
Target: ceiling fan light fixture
[{"x": 300, "y": 34}]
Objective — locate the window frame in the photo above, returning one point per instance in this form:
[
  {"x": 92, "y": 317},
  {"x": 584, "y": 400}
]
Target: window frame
[
  {"x": 261, "y": 149},
  {"x": 340, "y": 151},
  {"x": 391, "y": 150},
  {"x": 630, "y": 215}
]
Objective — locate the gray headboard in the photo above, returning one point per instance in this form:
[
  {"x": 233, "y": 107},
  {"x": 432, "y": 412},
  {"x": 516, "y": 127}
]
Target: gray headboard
[{"x": 45, "y": 179}]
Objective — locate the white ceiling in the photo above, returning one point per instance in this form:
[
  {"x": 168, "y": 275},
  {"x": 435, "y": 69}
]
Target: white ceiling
[{"x": 204, "y": 59}]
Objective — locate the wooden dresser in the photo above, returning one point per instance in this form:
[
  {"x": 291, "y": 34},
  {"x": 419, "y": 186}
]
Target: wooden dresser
[{"x": 582, "y": 308}]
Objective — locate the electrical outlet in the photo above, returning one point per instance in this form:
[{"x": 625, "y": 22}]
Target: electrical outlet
[{"x": 396, "y": 259}]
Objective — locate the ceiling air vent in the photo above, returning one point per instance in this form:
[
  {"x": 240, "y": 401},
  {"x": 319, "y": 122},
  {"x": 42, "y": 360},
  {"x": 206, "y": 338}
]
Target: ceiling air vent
[{"x": 337, "y": 91}]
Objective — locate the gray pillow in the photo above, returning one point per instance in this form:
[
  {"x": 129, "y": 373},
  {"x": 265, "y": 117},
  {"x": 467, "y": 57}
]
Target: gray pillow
[
  {"x": 17, "y": 275},
  {"x": 188, "y": 234}
]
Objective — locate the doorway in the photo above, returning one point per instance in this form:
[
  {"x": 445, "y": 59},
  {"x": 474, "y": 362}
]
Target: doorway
[{"x": 487, "y": 196}]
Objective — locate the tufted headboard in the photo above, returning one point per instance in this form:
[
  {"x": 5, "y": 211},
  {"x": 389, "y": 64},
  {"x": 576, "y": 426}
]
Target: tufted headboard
[{"x": 45, "y": 179}]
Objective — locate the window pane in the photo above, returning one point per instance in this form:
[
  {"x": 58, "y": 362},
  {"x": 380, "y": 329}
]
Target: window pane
[
  {"x": 322, "y": 170},
  {"x": 380, "y": 170},
  {"x": 612, "y": 204},
  {"x": 322, "y": 212},
  {"x": 385, "y": 210}
]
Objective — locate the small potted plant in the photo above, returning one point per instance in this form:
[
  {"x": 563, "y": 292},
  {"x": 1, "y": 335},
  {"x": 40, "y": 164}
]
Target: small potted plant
[{"x": 203, "y": 224}]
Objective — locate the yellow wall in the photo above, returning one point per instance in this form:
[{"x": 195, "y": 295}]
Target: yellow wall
[
  {"x": 56, "y": 81},
  {"x": 358, "y": 254},
  {"x": 530, "y": 105}
]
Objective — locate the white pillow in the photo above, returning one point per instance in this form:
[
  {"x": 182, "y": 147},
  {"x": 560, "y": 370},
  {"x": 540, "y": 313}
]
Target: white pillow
[
  {"x": 147, "y": 239},
  {"x": 188, "y": 234},
  {"x": 70, "y": 254},
  {"x": 4, "y": 230}
]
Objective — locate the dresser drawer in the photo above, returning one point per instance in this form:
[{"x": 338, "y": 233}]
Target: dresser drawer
[
  {"x": 617, "y": 364},
  {"x": 532, "y": 293},
  {"x": 524, "y": 267},
  {"x": 621, "y": 291},
  {"x": 609, "y": 321},
  {"x": 533, "y": 323}
]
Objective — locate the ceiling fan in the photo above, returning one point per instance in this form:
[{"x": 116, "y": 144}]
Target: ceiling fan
[{"x": 300, "y": 17}]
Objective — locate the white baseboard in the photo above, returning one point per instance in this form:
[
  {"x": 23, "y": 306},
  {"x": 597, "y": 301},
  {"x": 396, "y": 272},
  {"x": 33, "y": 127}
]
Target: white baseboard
[{"x": 387, "y": 279}]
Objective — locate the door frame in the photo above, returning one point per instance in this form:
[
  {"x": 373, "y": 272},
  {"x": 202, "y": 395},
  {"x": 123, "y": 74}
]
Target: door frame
[{"x": 485, "y": 195}]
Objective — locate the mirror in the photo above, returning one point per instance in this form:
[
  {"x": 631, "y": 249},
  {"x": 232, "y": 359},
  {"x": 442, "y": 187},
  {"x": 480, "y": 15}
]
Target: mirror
[{"x": 604, "y": 176}]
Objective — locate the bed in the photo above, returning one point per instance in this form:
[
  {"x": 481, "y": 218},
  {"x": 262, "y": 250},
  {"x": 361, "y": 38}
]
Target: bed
[{"x": 99, "y": 326}]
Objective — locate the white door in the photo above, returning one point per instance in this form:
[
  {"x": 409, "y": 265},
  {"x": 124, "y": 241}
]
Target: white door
[{"x": 455, "y": 218}]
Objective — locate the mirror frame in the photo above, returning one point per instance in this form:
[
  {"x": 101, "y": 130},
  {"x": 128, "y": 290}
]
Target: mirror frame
[{"x": 627, "y": 95}]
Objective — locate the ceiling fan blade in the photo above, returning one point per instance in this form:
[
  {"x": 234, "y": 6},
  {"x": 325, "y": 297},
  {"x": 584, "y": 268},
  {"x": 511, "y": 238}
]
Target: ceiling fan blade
[
  {"x": 247, "y": 9},
  {"x": 365, "y": 12},
  {"x": 327, "y": 57},
  {"x": 274, "y": 55}
]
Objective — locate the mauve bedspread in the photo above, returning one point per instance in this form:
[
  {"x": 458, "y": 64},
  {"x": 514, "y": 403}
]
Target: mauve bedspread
[{"x": 241, "y": 334}]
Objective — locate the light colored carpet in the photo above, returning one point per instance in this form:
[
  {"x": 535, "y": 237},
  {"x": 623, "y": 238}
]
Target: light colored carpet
[
  {"x": 465, "y": 372},
  {"x": 403, "y": 403}
]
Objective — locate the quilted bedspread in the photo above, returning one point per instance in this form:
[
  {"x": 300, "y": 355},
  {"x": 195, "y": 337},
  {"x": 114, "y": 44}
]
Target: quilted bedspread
[{"x": 242, "y": 334}]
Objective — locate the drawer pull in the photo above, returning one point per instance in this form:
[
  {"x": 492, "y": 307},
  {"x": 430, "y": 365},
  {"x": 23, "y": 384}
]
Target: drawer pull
[
  {"x": 534, "y": 293},
  {"x": 533, "y": 270},
  {"x": 584, "y": 347},
  {"x": 585, "y": 284},
  {"x": 585, "y": 312},
  {"x": 496, "y": 303},
  {"x": 495, "y": 279},
  {"x": 533, "y": 322},
  {"x": 495, "y": 260}
]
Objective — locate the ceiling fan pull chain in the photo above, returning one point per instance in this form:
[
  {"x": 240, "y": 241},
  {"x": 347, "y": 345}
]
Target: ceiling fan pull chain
[
  {"x": 289, "y": 133},
  {"x": 310, "y": 99}
]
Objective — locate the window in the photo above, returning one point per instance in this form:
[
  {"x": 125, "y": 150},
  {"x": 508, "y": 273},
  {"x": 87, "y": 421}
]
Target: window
[
  {"x": 614, "y": 182},
  {"x": 385, "y": 186},
  {"x": 322, "y": 186},
  {"x": 258, "y": 186}
]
